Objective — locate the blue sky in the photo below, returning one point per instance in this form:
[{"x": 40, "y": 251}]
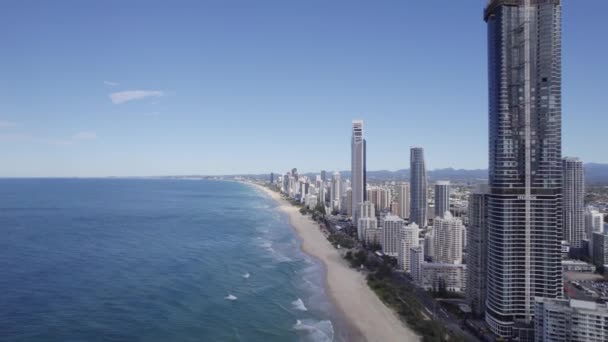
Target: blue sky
[{"x": 216, "y": 87}]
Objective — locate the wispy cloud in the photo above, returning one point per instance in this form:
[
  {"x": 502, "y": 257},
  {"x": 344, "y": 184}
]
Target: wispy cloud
[
  {"x": 85, "y": 135},
  {"x": 130, "y": 95},
  {"x": 110, "y": 83},
  {"x": 7, "y": 124}
]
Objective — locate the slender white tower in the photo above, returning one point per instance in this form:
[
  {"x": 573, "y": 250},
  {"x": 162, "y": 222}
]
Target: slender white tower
[{"x": 357, "y": 168}]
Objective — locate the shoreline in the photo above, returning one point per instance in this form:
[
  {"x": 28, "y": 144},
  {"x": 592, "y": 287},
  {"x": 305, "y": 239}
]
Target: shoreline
[{"x": 367, "y": 317}]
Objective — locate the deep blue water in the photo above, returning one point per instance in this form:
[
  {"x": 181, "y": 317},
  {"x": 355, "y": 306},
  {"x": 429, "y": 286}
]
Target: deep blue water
[{"x": 154, "y": 260}]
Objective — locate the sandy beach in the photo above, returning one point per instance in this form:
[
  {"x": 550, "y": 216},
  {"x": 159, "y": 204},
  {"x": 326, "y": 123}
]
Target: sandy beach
[{"x": 364, "y": 311}]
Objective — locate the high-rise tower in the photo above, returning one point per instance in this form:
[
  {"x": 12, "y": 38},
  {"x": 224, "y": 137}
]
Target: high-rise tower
[
  {"x": 403, "y": 200},
  {"x": 418, "y": 183},
  {"x": 442, "y": 198},
  {"x": 357, "y": 168},
  {"x": 525, "y": 171},
  {"x": 335, "y": 193},
  {"x": 477, "y": 253},
  {"x": 574, "y": 203}
]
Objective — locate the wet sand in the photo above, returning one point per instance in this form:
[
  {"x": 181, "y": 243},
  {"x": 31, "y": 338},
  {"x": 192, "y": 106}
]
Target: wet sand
[{"x": 369, "y": 317}]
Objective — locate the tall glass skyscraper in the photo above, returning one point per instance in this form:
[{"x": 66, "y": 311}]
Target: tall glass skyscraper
[
  {"x": 525, "y": 171},
  {"x": 442, "y": 198},
  {"x": 357, "y": 169},
  {"x": 418, "y": 184}
]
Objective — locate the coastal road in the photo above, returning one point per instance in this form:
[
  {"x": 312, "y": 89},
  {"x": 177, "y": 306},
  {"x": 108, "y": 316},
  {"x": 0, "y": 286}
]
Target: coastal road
[{"x": 434, "y": 308}]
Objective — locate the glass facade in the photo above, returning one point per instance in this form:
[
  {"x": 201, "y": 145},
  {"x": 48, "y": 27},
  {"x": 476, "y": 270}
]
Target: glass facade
[
  {"x": 525, "y": 171},
  {"x": 419, "y": 192}
]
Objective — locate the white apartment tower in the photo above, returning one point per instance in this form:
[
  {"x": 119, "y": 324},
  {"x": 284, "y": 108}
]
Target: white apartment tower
[
  {"x": 447, "y": 240},
  {"x": 410, "y": 238},
  {"x": 392, "y": 232},
  {"x": 335, "y": 191},
  {"x": 367, "y": 220}
]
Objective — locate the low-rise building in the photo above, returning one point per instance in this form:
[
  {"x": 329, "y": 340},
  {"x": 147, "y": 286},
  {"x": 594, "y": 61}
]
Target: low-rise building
[
  {"x": 577, "y": 266},
  {"x": 562, "y": 320},
  {"x": 373, "y": 236},
  {"x": 437, "y": 276}
]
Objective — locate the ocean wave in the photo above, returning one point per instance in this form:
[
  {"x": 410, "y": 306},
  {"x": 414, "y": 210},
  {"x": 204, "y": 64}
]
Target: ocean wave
[
  {"x": 318, "y": 331},
  {"x": 277, "y": 256},
  {"x": 298, "y": 304},
  {"x": 230, "y": 297}
]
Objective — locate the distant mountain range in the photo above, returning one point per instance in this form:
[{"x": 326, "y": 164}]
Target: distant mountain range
[
  {"x": 459, "y": 175},
  {"x": 594, "y": 173}
]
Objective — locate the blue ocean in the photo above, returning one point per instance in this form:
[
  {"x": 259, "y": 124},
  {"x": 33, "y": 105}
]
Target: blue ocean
[{"x": 154, "y": 260}]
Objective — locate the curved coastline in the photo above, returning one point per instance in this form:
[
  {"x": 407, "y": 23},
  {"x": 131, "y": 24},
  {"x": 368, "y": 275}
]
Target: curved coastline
[{"x": 367, "y": 317}]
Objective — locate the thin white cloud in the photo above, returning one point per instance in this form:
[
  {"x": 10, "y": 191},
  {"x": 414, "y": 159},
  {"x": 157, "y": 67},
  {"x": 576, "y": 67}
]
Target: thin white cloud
[
  {"x": 85, "y": 135},
  {"x": 7, "y": 124},
  {"x": 130, "y": 95},
  {"x": 110, "y": 83}
]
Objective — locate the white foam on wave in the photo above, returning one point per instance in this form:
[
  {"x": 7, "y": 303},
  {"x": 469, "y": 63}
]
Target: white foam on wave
[
  {"x": 230, "y": 297},
  {"x": 246, "y": 275},
  {"x": 267, "y": 245},
  {"x": 318, "y": 331},
  {"x": 298, "y": 304}
]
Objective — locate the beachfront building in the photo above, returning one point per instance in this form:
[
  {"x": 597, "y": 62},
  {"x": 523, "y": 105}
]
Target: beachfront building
[
  {"x": 441, "y": 276},
  {"x": 401, "y": 207},
  {"x": 477, "y": 252},
  {"x": 311, "y": 201},
  {"x": 442, "y": 198},
  {"x": 447, "y": 239},
  {"x": 335, "y": 192},
  {"x": 416, "y": 260},
  {"x": 358, "y": 178},
  {"x": 562, "y": 320},
  {"x": 573, "y": 204},
  {"x": 373, "y": 236},
  {"x": 419, "y": 191},
  {"x": 525, "y": 166},
  {"x": 392, "y": 231},
  {"x": 367, "y": 220},
  {"x": 410, "y": 238}
]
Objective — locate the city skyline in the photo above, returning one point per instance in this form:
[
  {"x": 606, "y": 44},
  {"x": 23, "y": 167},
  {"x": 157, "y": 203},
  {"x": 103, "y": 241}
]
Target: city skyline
[{"x": 105, "y": 103}]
